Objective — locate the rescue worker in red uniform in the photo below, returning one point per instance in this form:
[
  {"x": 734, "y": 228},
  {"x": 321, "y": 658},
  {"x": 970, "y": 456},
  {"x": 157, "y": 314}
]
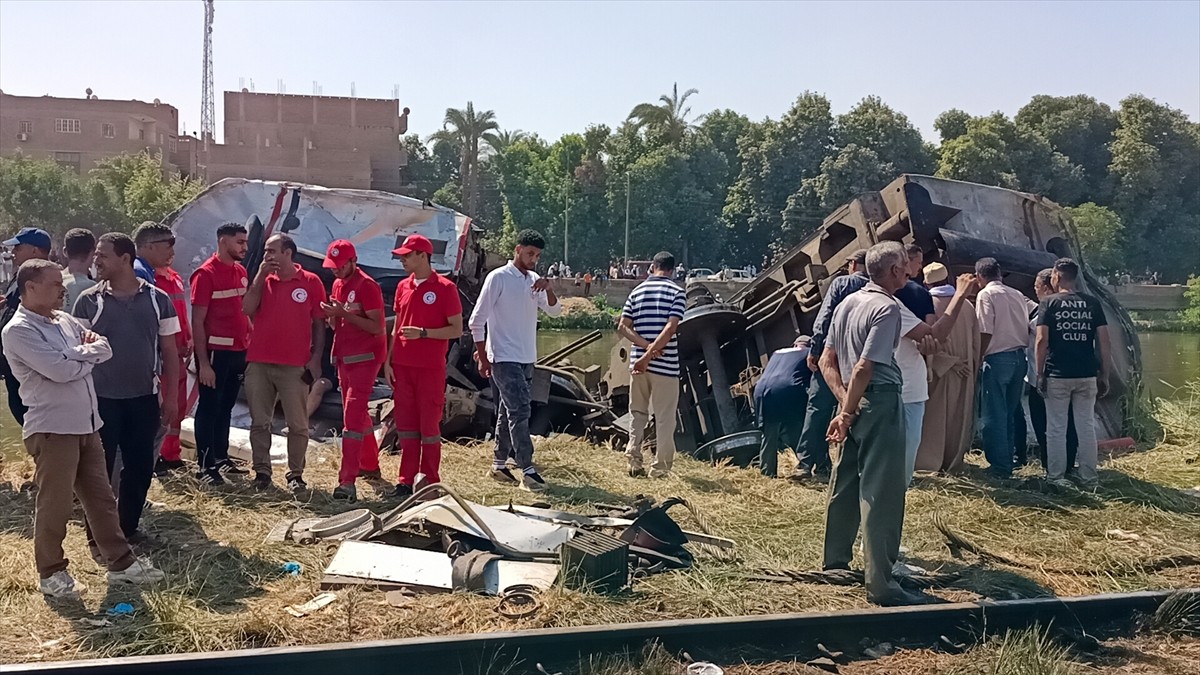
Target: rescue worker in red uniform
[
  {"x": 221, "y": 334},
  {"x": 355, "y": 312},
  {"x": 284, "y": 357},
  {"x": 156, "y": 251},
  {"x": 428, "y": 315}
]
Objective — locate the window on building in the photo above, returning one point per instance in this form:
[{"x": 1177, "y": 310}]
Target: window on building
[
  {"x": 110, "y": 131},
  {"x": 69, "y": 160},
  {"x": 26, "y": 126},
  {"x": 173, "y": 145},
  {"x": 141, "y": 134},
  {"x": 64, "y": 126},
  {"x": 162, "y": 139}
]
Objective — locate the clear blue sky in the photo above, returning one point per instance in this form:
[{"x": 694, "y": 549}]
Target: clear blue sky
[{"x": 556, "y": 67}]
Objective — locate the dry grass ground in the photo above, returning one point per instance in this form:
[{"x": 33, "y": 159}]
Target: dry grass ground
[
  {"x": 1028, "y": 652},
  {"x": 226, "y": 589}
]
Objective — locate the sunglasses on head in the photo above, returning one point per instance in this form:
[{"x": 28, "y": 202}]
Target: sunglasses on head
[{"x": 169, "y": 240}]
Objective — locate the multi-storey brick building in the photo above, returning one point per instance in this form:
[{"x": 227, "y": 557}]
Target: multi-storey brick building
[
  {"x": 325, "y": 140},
  {"x": 78, "y": 132}
]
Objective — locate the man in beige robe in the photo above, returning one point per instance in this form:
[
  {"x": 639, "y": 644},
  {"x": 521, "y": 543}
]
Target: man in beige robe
[{"x": 950, "y": 412}]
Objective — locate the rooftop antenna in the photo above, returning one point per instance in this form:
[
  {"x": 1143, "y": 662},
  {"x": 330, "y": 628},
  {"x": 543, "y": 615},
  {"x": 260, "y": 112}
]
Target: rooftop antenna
[
  {"x": 252, "y": 85},
  {"x": 280, "y": 86},
  {"x": 241, "y": 83},
  {"x": 352, "y": 90},
  {"x": 396, "y": 91},
  {"x": 208, "y": 109}
]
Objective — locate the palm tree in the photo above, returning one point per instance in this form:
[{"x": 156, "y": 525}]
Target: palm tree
[
  {"x": 502, "y": 140},
  {"x": 669, "y": 116},
  {"x": 465, "y": 129}
]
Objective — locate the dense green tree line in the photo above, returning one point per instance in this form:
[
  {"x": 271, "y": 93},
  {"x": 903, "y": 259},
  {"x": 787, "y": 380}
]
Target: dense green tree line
[
  {"x": 117, "y": 195},
  {"x": 720, "y": 188}
]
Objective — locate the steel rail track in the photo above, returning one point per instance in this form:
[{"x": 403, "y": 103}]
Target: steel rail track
[{"x": 763, "y": 638}]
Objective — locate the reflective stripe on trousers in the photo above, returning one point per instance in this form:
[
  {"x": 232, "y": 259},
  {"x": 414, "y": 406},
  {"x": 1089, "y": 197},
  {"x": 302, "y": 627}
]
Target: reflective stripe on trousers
[{"x": 360, "y": 450}]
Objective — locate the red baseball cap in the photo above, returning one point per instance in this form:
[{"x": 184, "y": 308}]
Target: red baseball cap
[
  {"x": 415, "y": 242},
  {"x": 340, "y": 252}
]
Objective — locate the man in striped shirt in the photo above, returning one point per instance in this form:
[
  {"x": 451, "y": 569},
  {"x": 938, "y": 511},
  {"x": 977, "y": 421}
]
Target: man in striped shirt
[{"x": 649, "y": 320}]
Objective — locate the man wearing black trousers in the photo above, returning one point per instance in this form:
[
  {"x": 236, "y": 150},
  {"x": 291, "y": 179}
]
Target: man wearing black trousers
[
  {"x": 140, "y": 323},
  {"x": 30, "y": 243},
  {"x": 221, "y": 334}
]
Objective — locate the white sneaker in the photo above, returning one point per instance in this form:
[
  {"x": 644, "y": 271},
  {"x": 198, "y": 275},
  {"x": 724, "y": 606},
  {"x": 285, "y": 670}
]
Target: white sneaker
[
  {"x": 140, "y": 572},
  {"x": 901, "y": 569},
  {"x": 61, "y": 585},
  {"x": 1063, "y": 484}
]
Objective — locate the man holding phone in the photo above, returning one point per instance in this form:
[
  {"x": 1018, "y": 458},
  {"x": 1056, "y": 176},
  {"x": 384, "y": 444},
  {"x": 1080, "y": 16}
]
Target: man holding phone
[
  {"x": 355, "y": 312},
  {"x": 282, "y": 360},
  {"x": 428, "y": 316}
]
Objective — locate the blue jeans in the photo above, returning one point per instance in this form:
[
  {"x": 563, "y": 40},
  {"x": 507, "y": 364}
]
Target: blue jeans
[
  {"x": 1000, "y": 385},
  {"x": 813, "y": 450},
  {"x": 914, "y": 418},
  {"x": 510, "y": 388}
]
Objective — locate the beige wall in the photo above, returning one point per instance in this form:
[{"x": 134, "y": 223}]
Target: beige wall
[{"x": 157, "y": 122}]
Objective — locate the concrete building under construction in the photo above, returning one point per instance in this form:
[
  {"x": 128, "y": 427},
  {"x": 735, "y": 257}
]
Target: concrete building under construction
[{"x": 334, "y": 141}]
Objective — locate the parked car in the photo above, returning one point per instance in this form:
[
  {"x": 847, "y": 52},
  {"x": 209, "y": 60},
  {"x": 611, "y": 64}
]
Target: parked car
[
  {"x": 699, "y": 273},
  {"x": 734, "y": 275}
]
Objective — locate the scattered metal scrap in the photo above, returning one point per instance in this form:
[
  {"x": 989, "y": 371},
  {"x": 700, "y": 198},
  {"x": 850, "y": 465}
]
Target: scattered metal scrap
[{"x": 449, "y": 543}]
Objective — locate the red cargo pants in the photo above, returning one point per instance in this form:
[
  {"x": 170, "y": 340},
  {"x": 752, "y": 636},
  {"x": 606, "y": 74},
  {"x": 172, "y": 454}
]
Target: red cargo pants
[
  {"x": 420, "y": 397},
  {"x": 170, "y": 444},
  {"x": 359, "y": 448}
]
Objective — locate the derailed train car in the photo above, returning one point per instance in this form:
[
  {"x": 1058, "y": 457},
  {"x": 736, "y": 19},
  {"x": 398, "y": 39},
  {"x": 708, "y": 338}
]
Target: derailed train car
[
  {"x": 955, "y": 223},
  {"x": 376, "y": 223}
]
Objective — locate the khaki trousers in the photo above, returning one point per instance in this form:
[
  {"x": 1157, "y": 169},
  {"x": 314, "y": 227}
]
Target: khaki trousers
[
  {"x": 68, "y": 466},
  {"x": 657, "y": 394},
  {"x": 266, "y": 383}
]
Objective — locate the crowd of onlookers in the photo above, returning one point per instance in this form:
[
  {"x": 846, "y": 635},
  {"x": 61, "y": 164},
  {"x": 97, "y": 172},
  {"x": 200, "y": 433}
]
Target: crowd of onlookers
[
  {"x": 895, "y": 372},
  {"x": 96, "y": 357}
]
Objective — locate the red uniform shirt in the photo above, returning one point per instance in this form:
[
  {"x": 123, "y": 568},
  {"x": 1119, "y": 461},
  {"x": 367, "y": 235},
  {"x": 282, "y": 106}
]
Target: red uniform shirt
[
  {"x": 220, "y": 287},
  {"x": 360, "y": 293},
  {"x": 168, "y": 281},
  {"x": 283, "y": 322},
  {"x": 428, "y": 304}
]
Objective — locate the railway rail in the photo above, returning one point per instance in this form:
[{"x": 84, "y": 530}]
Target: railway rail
[{"x": 754, "y": 638}]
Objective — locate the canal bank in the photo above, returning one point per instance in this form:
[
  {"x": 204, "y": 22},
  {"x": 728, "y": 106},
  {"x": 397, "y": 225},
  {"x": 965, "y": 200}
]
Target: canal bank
[{"x": 1170, "y": 360}]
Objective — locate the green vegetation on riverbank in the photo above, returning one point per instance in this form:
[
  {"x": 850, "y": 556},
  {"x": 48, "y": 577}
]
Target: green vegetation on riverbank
[
  {"x": 1186, "y": 320},
  {"x": 582, "y": 314}
]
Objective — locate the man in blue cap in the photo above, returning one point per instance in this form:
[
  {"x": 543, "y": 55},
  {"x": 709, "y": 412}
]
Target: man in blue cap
[{"x": 30, "y": 243}]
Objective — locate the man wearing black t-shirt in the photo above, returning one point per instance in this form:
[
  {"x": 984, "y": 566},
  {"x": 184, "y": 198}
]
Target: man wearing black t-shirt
[
  {"x": 1071, "y": 331},
  {"x": 915, "y": 296}
]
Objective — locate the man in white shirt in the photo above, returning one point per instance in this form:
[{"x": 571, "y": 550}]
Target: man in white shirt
[{"x": 504, "y": 328}]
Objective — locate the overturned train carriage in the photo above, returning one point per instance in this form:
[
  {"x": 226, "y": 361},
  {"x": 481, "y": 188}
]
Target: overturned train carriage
[
  {"x": 376, "y": 223},
  {"x": 954, "y": 222}
]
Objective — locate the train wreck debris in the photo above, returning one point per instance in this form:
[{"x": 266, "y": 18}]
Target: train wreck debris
[
  {"x": 448, "y": 543},
  {"x": 722, "y": 341},
  {"x": 565, "y": 398},
  {"x": 954, "y": 222}
]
